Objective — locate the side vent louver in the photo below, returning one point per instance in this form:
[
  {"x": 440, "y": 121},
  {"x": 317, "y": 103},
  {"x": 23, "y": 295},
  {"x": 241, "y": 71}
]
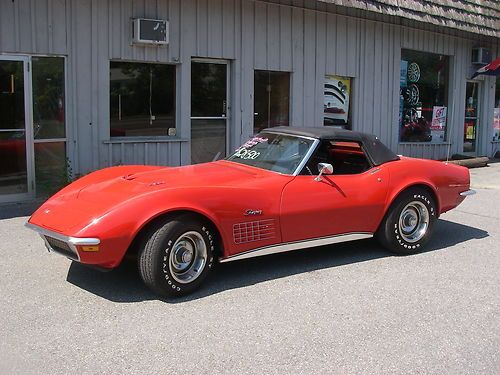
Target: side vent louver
[{"x": 254, "y": 231}]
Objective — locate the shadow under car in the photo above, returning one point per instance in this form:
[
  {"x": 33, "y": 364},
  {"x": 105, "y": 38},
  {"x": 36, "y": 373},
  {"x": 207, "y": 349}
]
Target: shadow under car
[{"x": 125, "y": 285}]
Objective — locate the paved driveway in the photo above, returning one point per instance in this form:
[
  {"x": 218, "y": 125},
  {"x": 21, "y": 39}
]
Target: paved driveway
[{"x": 349, "y": 309}]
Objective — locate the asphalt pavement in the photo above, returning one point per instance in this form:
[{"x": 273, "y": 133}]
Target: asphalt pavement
[{"x": 344, "y": 309}]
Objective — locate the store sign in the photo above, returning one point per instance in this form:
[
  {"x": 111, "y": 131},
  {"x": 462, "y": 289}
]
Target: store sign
[
  {"x": 438, "y": 124},
  {"x": 336, "y": 100}
]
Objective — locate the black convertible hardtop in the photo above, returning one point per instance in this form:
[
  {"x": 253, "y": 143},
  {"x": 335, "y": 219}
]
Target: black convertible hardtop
[{"x": 376, "y": 150}]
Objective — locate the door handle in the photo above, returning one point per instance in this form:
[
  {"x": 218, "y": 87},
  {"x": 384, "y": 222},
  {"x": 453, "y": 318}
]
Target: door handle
[{"x": 224, "y": 108}]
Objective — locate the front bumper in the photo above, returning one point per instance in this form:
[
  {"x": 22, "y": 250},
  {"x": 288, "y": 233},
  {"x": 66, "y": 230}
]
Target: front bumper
[{"x": 61, "y": 244}]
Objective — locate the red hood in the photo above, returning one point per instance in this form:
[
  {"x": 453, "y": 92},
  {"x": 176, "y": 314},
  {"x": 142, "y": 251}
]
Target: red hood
[
  {"x": 97, "y": 193},
  {"x": 220, "y": 173}
]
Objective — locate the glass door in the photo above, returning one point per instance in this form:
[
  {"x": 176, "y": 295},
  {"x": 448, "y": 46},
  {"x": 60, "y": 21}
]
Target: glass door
[
  {"x": 52, "y": 169},
  {"x": 209, "y": 110},
  {"x": 16, "y": 177},
  {"x": 471, "y": 123},
  {"x": 271, "y": 99}
]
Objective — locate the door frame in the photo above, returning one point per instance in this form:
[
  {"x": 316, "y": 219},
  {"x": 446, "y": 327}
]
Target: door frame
[
  {"x": 227, "y": 118},
  {"x": 480, "y": 88},
  {"x": 28, "y": 131}
]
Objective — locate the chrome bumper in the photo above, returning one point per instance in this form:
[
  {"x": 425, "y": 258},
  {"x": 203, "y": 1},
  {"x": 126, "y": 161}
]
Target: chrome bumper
[
  {"x": 61, "y": 244},
  {"x": 467, "y": 193}
]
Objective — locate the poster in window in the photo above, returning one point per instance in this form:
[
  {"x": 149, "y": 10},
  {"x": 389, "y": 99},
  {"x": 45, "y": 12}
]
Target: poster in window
[
  {"x": 496, "y": 124},
  {"x": 336, "y": 101},
  {"x": 403, "y": 73},
  {"x": 438, "y": 124},
  {"x": 470, "y": 129}
]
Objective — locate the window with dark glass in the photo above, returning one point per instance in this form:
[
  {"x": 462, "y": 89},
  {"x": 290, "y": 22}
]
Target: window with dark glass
[
  {"x": 423, "y": 99},
  {"x": 271, "y": 99},
  {"x": 48, "y": 98},
  {"x": 13, "y": 167},
  {"x": 142, "y": 99},
  {"x": 52, "y": 168}
]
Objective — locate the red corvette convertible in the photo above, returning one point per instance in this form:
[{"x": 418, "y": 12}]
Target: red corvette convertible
[{"x": 287, "y": 188}]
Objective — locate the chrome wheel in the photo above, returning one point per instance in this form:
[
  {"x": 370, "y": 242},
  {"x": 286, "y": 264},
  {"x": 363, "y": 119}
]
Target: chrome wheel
[
  {"x": 188, "y": 257},
  {"x": 413, "y": 72},
  {"x": 413, "y": 221}
]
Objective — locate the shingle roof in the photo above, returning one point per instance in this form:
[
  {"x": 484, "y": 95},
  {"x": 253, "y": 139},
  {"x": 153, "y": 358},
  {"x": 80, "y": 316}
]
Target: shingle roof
[{"x": 476, "y": 16}]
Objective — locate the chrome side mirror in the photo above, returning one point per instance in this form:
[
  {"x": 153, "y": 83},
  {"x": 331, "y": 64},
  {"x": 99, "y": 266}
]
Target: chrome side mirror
[{"x": 323, "y": 168}]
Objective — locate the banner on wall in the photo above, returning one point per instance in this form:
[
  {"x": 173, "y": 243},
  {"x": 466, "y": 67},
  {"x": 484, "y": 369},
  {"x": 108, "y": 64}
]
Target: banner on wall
[
  {"x": 336, "y": 100},
  {"x": 438, "y": 124}
]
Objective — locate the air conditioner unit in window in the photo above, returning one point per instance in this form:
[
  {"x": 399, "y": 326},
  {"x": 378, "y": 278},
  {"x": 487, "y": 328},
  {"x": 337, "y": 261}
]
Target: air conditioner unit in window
[
  {"x": 148, "y": 31},
  {"x": 481, "y": 56}
]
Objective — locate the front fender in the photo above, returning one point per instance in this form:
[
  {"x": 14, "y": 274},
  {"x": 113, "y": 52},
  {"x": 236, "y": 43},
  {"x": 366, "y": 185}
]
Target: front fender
[{"x": 119, "y": 227}]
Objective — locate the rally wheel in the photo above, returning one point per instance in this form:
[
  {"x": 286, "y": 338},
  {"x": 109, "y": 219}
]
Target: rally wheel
[
  {"x": 413, "y": 72},
  {"x": 412, "y": 94},
  {"x": 177, "y": 256},
  {"x": 408, "y": 224}
]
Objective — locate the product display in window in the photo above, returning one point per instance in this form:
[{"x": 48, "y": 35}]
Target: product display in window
[
  {"x": 471, "y": 116},
  {"x": 413, "y": 72},
  {"x": 423, "y": 97}
]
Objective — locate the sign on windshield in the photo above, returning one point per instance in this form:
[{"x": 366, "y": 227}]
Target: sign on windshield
[{"x": 275, "y": 152}]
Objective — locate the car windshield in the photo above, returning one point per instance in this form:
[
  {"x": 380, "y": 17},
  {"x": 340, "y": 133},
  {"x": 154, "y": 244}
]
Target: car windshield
[{"x": 273, "y": 151}]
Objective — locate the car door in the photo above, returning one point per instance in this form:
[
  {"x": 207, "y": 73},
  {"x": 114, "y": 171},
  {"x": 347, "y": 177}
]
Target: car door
[{"x": 336, "y": 204}]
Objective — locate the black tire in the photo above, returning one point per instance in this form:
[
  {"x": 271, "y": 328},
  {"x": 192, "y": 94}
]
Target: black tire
[
  {"x": 408, "y": 224},
  {"x": 166, "y": 250}
]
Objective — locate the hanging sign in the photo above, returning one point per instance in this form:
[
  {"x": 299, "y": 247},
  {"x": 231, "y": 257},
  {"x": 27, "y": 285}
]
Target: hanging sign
[{"x": 438, "y": 124}]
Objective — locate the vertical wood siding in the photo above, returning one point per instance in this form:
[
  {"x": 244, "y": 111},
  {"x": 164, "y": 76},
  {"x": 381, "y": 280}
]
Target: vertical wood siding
[
  {"x": 140, "y": 152},
  {"x": 277, "y": 35}
]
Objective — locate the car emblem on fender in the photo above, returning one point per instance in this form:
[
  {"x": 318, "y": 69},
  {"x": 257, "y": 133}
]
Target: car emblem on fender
[{"x": 251, "y": 212}]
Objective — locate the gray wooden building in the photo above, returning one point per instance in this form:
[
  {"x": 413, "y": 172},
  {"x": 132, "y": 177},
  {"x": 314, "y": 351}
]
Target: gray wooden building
[{"x": 86, "y": 84}]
